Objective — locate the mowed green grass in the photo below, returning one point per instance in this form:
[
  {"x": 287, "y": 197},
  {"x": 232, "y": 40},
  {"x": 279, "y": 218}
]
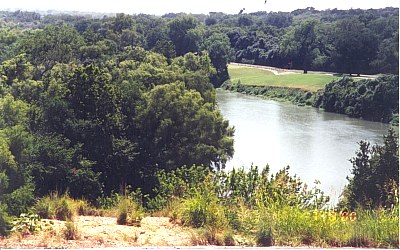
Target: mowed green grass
[{"x": 260, "y": 77}]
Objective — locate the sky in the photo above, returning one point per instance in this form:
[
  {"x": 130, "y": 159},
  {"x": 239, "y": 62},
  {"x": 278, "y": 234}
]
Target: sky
[{"x": 160, "y": 7}]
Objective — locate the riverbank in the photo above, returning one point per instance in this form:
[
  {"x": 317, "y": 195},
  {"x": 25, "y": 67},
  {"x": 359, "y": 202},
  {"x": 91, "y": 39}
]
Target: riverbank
[
  {"x": 297, "y": 96},
  {"x": 369, "y": 99},
  {"x": 100, "y": 232}
]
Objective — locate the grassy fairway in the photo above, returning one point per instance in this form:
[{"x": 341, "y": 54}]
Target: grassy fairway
[{"x": 260, "y": 77}]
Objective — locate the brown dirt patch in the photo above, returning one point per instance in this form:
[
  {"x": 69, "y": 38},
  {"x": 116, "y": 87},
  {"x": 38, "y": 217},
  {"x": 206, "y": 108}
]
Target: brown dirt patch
[{"x": 104, "y": 232}]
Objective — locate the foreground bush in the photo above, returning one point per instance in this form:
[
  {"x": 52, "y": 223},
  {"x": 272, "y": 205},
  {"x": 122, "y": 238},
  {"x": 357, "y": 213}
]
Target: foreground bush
[
  {"x": 71, "y": 231},
  {"x": 129, "y": 212},
  {"x": 5, "y": 222},
  {"x": 55, "y": 207}
]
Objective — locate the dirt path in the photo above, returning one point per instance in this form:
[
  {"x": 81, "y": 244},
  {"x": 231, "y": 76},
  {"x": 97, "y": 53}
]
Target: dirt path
[{"x": 104, "y": 232}]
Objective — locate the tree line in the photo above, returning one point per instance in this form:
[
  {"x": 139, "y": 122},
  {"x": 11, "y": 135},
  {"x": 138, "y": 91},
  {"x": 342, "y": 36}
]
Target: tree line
[{"x": 351, "y": 41}]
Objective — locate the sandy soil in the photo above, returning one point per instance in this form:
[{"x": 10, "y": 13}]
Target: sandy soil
[{"x": 104, "y": 232}]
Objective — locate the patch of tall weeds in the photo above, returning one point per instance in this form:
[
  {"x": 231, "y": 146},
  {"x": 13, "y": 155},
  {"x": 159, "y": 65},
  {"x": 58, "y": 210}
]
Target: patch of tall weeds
[
  {"x": 55, "y": 206},
  {"x": 130, "y": 210}
]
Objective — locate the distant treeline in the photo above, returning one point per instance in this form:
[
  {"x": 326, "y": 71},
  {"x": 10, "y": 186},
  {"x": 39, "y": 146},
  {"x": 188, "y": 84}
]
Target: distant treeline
[
  {"x": 347, "y": 41},
  {"x": 370, "y": 99}
]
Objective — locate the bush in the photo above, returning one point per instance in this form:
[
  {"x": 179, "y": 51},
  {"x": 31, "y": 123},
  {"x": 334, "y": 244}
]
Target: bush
[
  {"x": 20, "y": 200},
  {"x": 229, "y": 240},
  {"x": 264, "y": 235},
  {"x": 195, "y": 212},
  {"x": 129, "y": 212},
  {"x": 202, "y": 210},
  {"x": 122, "y": 212},
  {"x": 84, "y": 208},
  {"x": 55, "y": 207},
  {"x": 65, "y": 209},
  {"x": 5, "y": 222},
  {"x": 45, "y": 208},
  {"x": 27, "y": 224},
  {"x": 71, "y": 231}
]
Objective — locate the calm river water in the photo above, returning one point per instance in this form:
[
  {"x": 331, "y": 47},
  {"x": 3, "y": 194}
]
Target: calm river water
[{"x": 317, "y": 145}]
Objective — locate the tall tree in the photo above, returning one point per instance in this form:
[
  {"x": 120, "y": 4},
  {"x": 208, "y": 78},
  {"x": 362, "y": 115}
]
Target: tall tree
[
  {"x": 375, "y": 180},
  {"x": 299, "y": 44},
  {"x": 220, "y": 52},
  {"x": 355, "y": 46},
  {"x": 184, "y": 35},
  {"x": 54, "y": 44}
]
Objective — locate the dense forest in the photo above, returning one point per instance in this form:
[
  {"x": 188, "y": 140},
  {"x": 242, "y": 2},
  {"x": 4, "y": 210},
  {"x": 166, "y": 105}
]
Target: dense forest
[{"x": 90, "y": 106}]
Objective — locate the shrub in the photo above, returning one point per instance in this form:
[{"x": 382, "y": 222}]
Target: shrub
[
  {"x": 229, "y": 240},
  {"x": 201, "y": 236},
  {"x": 84, "y": 208},
  {"x": 55, "y": 207},
  {"x": 27, "y": 224},
  {"x": 264, "y": 235},
  {"x": 71, "y": 231},
  {"x": 202, "y": 210},
  {"x": 122, "y": 212},
  {"x": 129, "y": 212},
  {"x": 5, "y": 223},
  {"x": 65, "y": 209},
  {"x": 195, "y": 212},
  {"x": 45, "y": 208},
  {"x": 20, "y": 200}
]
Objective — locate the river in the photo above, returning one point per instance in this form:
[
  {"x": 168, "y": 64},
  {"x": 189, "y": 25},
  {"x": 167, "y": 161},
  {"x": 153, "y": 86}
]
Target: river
[{"x": 317, "y": 145}]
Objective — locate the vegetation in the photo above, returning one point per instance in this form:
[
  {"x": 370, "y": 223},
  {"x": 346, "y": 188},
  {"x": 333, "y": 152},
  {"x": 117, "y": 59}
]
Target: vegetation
[
  {"x": 264, "y": 210},
  {"x": 129, "y": 212},
  {"x": 55, "y": 207},
  {"x": 91, "y": 108},
  {"x": 370, "y": 99},
  {"x": 376, "y": 100},
  {"x": 375, "y": 175},
  {"x": 71, "y": 231}
]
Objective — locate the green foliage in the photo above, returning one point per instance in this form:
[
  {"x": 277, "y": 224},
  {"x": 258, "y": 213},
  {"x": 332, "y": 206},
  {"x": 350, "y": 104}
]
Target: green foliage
[
  {"x": 20, "y": 200},
  {"x": 375, "y": 100},
  {"x": 220, "y": 53},
  {"x": 87, "y": 106},
  {"x": 300, "y": 44},
  {"x": 264, "y": 237},
  {"x": 108, "y": 202},
  {"x": 180, "y": 129},
  {"x": 129, "y": 212},
  {"x": 375, "y": 180},
  {"x": 183, "y": 33},
  {"x": 179, "y": 183},
  {"x": 54, "y": 206},
  {"x": 228, "y": 238},
  {"x": 5, "y": 220},
  {"x": 27, "y": 224}
]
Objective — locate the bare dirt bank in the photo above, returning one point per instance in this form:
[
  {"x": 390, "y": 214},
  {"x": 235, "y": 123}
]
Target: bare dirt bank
[{"x": 99, "y": 232}]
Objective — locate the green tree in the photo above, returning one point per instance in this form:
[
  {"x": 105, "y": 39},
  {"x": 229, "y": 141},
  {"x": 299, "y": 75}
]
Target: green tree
[
  {"x": 375, "y": 180},
  {"x": 299, "y": 43},
  {"x": 355, "y": 46},
  {"x": 16, "y": 189},
  {"x": 184, "y": 35},
  {"x": 54, "y": 44},
  {"x": 220, "y": 52},
  {"x": 178, "y": 129}
]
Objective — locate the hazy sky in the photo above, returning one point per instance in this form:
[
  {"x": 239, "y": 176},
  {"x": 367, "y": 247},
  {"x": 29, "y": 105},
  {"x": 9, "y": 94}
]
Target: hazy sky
[{"x": 160, "y": 7}]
